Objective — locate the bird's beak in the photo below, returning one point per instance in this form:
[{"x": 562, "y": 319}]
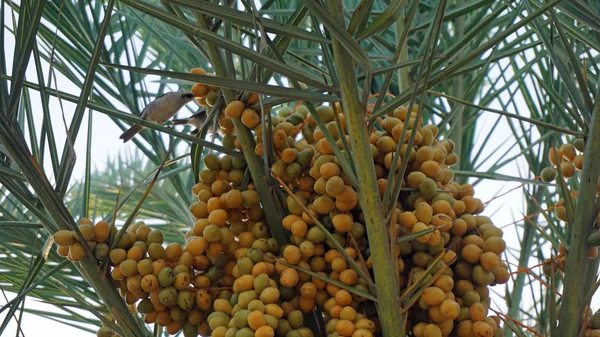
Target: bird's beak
[{"x": 189, "y": 95}]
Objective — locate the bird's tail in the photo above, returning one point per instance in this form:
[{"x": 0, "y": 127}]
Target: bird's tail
[
  {"x": 181, "y": 121},
  {"x": 132, "y": 131}
]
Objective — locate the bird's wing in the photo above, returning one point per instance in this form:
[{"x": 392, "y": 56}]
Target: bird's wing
[{"x": 144, "y": 111}]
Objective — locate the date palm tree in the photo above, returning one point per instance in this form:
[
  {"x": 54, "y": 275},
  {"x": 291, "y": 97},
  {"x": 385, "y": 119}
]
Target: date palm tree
[{"x": 505, "y": 80}]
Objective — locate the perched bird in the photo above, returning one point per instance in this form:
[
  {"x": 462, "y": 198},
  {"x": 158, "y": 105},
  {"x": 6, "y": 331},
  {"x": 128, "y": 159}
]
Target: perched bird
[
  {"x": 196, "y": 120},
  {"x": 160, "y": 111}
]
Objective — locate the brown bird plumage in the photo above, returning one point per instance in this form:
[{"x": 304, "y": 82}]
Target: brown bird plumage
[{"x": 160, "y": 111}]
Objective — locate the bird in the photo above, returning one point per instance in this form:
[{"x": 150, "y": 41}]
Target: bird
[
  {"x": 196, "y": 120},
  {"x": 160, "y": 111}
]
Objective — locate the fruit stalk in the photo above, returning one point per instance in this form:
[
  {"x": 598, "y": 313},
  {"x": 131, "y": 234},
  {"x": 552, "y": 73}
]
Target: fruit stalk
[
  {"x": 403, "y": 75},
  {"x": 577, "y": 287},
  {"x": 274, "y": 213},
  {"x": 387, "y": 290}
]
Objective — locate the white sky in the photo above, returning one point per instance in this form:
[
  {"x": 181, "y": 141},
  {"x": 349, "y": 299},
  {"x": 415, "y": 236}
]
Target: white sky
[{"x": 106, "y": 144}]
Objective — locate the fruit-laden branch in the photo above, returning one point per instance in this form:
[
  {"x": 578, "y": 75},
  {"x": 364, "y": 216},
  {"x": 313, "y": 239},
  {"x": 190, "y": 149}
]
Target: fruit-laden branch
[
  {"x": 387, "y": 283},
  {"x": 575, "y": 288}
]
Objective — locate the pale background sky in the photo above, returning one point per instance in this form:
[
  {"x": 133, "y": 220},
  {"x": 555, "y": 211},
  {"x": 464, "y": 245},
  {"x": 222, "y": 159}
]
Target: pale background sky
[{"x": 106, "y": 144}]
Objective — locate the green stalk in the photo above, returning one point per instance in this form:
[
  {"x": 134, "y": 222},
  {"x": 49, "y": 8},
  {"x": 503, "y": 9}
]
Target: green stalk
[
  {"x": 577, "y": 287},
  {"x": 401, "y": 26},
  {"x": 456, "y": 121},
  {"x": 387, "y": 290},
  {"x": 113, "y": 301},
  {"x": 274, "y": 213}
]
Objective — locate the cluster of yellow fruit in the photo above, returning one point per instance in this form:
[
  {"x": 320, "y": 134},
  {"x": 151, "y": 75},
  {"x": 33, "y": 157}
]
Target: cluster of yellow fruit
[
  {"x": 206, "y": 95},
  {"x": 456, "y": 299},
  {"x": 270, "y": 296},
  {"x": 96, "y": 237},
  {"x": 232, "y": 279},
  {"x": 568, "y": 158}
]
